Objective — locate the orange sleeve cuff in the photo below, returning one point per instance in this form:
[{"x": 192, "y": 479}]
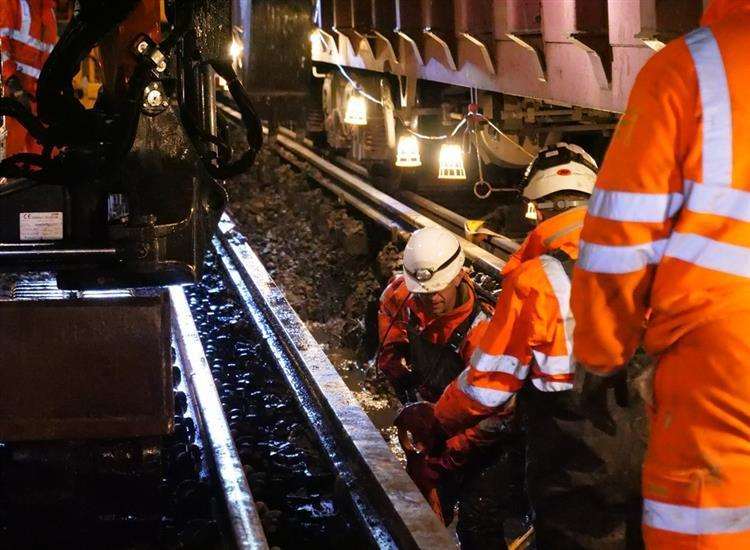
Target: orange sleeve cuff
[{"x": 456, "y": 411}]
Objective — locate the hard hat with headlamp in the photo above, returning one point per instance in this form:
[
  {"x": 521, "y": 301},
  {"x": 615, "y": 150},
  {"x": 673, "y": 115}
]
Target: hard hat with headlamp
[
  {"x": 432, "y": 259},
  {"x": 560, "y": 167}
]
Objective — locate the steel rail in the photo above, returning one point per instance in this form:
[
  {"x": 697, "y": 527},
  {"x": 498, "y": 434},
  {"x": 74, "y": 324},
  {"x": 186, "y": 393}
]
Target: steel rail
[
  {"x": 243, "y": 518},
  {"x": 505, "y": 244},
  {"x": 369, "y": 211},
  {"x": 302, "y": 148},
  {"x": 482, "y": 258},
  {"x": 385, "y": 500}
]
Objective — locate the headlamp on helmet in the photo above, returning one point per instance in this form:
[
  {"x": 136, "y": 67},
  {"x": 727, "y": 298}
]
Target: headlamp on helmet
[{"x": 432, "y": 260}]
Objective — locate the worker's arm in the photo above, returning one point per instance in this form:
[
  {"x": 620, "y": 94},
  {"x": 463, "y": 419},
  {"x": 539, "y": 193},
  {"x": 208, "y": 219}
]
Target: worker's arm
[
  {"x": 8, "y": 23},
  {"x": 392, "y": 333},
  {"x": 494, "y": 374},
  {"x": 638, "y": 193}
]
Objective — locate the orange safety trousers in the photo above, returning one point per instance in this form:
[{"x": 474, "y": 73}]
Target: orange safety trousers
[{"x": 696, "y": 476}]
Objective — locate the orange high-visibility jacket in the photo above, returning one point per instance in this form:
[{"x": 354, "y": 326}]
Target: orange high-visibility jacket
[
  {"x": 668, "y": 226},
  {"x": 530, "y": 333},
  {"x": 393, "y": 320},
  {"x": 560, "y": 232},
  {"x": 28, "y": 32}
]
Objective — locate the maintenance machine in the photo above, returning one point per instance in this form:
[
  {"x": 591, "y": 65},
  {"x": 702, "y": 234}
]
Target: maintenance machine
[{"x": 125, "y": 195}]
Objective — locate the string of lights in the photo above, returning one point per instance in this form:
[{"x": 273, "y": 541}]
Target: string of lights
[
  {"x": 451, "y": 157},
  {"x": 356, "y": 107},
  {"x": 433, "y": 138}
]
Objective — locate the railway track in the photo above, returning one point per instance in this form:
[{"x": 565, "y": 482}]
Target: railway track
[
  {"x": 260, "y": 405},
  {"x": 381, "y": 504},
  {"x": 400, "y": 215}
]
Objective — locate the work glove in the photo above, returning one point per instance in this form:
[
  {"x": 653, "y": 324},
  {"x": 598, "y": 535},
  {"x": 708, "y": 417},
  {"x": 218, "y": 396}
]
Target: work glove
[
  {"x": 422, "y": 439},
  {"x": 16, "y": 91},
  {"x": 419, "y": 431},
  {"x": 595, "y": 397},
  {"x": 454, "y": 456}
]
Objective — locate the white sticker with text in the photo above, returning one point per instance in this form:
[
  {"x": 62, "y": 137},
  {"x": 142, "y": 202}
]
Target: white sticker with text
[{"x": 41, "y": 226}]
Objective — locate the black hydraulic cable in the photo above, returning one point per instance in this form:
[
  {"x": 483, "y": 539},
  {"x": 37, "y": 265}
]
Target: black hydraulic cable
[
  {"x": 15, "y": 109},
  {"x": 194, "y": 130},
  {"x": 220, "y": 166},
  {"x": 253, "y": 126},
  {"x": 58, "y": 106}
]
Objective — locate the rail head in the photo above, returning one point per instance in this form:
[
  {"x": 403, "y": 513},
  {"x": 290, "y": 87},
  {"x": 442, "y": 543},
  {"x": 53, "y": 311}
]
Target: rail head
[{"x": 244, "y": 521}]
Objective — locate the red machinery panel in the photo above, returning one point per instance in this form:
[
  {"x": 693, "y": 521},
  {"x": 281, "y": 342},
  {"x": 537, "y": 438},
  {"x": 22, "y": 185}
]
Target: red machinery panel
[{"x": 572, "y": 52}]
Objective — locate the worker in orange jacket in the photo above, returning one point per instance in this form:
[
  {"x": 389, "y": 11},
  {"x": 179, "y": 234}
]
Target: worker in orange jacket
[
  {"x": 28, "y": 32},
  {"x": 442, "y": 315},
  {"x": 430, "y": 322},
  {"x": 581, "y": 481},
  {"x": 665, "y": 259}
]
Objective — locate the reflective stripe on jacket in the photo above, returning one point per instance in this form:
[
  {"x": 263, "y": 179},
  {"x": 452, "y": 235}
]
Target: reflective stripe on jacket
[
  {"x": 530, "y": 334},
  {"x": 667, "y": 228},
  {"x": 438, "y": 330},
  {"x": 28, "y": 32}
]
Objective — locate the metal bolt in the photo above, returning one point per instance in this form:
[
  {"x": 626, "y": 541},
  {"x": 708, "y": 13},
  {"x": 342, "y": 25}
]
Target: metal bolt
[
  {"x": 161, "y": 66},
  {"x": 154, "y": 98},
  {"x": 142, "y": 46}
]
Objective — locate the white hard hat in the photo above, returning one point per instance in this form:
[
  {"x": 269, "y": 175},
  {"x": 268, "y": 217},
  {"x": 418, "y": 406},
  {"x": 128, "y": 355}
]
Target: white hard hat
[
  {"x": 560, "y": 167},
  {"x": 432, "y": 259}
]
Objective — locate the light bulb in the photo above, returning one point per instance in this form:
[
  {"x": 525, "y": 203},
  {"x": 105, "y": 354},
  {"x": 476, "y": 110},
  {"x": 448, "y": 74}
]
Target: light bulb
[
  {"x": 451, "y": 162},
  {"x": 356, "y": 111},
  {"x": 407, "y": 152},
  {"x": 235, "y": 50}
]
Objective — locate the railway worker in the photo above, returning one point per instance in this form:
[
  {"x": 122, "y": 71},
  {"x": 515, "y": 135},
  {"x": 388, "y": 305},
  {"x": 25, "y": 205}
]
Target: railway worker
[
  {"x": 430, "y": 322},
  {"x": 665, "y": 260},
  {"x": 28, "y": 32},
  {"x": 430, "y": 318},
  {"x": 581, "y": 480}
]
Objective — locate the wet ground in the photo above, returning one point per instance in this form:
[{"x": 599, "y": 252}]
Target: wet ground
[{"x": 332, "y": 267}]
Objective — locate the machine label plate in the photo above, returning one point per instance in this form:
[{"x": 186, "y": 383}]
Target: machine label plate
[{"x": 41, "y": 226}]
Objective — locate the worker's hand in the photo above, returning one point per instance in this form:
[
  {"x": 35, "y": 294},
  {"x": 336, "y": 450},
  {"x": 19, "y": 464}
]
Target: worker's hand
[
  {"x": 455, "y": 455},
  {"x": 425, "y": 470},
  {"x": 595, "y": 397},
  {"x": 16, "y": 91},
  {"x": 437, "y": 467},
  {"x": 418, "y": 429}
]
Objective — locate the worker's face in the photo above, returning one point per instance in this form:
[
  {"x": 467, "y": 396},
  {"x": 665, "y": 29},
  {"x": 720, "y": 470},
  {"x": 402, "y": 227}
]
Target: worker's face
[{"x": 442, "y": 302}]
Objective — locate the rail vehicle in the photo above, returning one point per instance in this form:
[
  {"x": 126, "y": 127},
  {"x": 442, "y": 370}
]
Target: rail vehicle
[
  {"x": 537, "y": 70},
  {"x": 134, "y": 180},
  {"x": 126, "y": 194}
]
